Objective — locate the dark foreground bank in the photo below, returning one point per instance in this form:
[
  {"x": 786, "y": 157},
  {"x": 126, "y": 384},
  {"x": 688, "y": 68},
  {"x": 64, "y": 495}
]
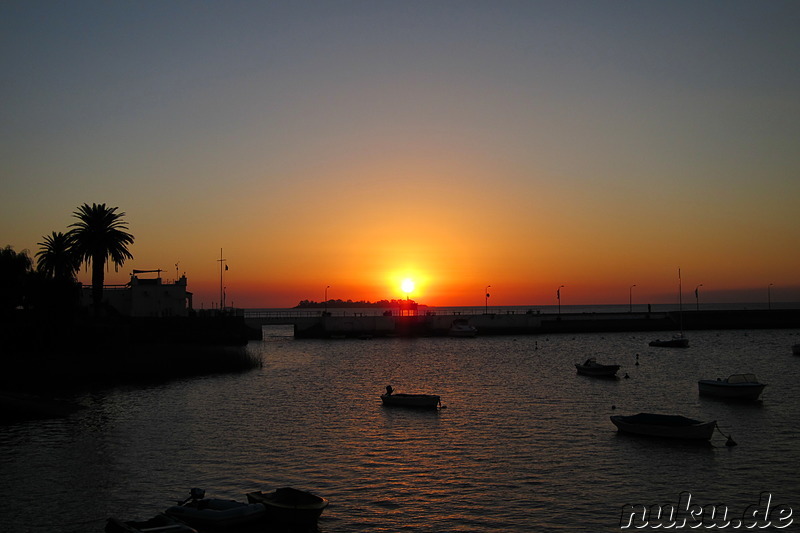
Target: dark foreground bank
[{"x": 52, "y": 356}]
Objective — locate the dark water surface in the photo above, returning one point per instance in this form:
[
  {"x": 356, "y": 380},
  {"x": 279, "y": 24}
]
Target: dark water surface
[{"x": 523, "y": 444}]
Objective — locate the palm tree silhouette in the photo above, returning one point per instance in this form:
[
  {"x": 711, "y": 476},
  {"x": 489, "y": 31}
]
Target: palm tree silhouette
[
  {"x": 56, "y": 259},
  {"x": 100, "y": 235}
]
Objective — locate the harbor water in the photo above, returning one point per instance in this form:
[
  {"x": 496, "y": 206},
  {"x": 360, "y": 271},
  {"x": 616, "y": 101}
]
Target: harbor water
[{"x": 521, "y": 444}]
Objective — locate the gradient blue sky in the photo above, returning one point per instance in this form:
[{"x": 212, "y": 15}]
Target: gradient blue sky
[{"x": 522, "y": 145}]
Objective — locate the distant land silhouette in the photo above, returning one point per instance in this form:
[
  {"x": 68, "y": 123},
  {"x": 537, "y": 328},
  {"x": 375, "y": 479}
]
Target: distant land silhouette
[{"x": 310, "y": 304}]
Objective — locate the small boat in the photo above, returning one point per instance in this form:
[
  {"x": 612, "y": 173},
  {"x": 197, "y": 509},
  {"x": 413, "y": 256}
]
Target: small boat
[
  {"x": 421, "y": 401},
  {"x": 461, "y": 328},
  {"x": 739, "y": 386},
  {"x": 158, "y": 524},
  {"x": 677, "y": 341},
  {"x": 202, "y": 512},
  {"x": 592, "y": 368},
  {"x": 289, "y": 505},
  {"x": 796, "y": 349},
  {"x": 667, "y": 426}
]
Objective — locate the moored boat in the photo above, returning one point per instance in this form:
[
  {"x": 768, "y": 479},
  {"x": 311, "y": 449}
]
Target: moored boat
[
  {"x": 592, "y": 368},
  {"x": 677, "y": 341},
  {"x": 735, "y": 386},
  {"x": 421, "y": 401},
  {"x": 290, "y": 505},
  {"x": 461, "y": 328},
  {"x": 666, "y": 426},
  {"x": 199, "y": 511},
  {"x": 160, "y": 523}
]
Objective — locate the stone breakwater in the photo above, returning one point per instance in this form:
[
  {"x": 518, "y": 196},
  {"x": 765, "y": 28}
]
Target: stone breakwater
[{"x": 529, "y": 323}]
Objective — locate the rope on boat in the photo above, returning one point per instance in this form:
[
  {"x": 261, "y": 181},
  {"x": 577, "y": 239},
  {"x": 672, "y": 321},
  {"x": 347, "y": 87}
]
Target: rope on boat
[{"x": 730, "y": 441}]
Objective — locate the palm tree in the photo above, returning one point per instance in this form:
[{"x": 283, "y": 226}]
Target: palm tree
[
  {"x": 56, "y": 258},
  {"x": 100, "y": 235}
]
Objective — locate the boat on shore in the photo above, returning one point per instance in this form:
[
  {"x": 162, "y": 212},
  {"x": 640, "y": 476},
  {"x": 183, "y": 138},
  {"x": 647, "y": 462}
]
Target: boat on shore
[
  {"x": 735, "y": 386},
  {"x": 665, "y": 426},
  {"x": 289, "y": 505},
  {"x": 419, "y": 401},
  {"x": 592, "y": 368},
  {"x": 158, "y": 524},
  {"x": 201, "y": 512}
]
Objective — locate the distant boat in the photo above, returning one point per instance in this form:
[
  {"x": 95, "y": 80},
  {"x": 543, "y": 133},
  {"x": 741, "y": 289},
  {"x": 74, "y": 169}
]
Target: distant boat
[
  {"x": 160, "y": 523},
  {"x": 666, "y": 426},
  {"x": 201, "y": 512},
  {"x": 290, "y": 506},
  {"x": 592, "y": 368},
  {"x": 677, "y": 341},
  {"x": 421, "y": 401},
  {"x": 796, "y": 349},
  {"x": 739, "y": 386},
  {"x": 461, "y": 328}
]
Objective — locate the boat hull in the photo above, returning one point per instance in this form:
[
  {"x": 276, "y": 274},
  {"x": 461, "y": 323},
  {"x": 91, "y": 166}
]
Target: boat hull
[
  {"x": 290, "y": 506},
  {"x": 664, "y": 426},
  {"x": 212, "y": 512},
  {"x": 420, "y": 401},
  {"x": 160, "y": 523},
  {"x": 597, "y": 370}
]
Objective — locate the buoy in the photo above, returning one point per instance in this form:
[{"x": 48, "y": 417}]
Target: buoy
[
  {"x": 627, "y": 376},
  {"x": 613, "y": 407}
]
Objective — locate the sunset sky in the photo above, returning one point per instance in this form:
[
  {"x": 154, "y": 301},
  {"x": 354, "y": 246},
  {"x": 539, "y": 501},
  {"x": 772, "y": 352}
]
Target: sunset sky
[{"x": 519, "y": 144}]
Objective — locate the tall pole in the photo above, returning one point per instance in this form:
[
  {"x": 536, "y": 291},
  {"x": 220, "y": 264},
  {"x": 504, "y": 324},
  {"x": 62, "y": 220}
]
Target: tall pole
[
  {"x": 697, "y": 296},
  {"x": 221, "y": 289},
  {"x": 680, "y": 300},
  {"x": 486, "y": 301},
  {"x": 326, "y": 298},
  {"x": 558, "y": 295},
  {"x": 769, "y": 296},
  {"x": 630, "y": 298}
]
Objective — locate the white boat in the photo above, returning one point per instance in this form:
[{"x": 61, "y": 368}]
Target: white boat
[
  {"x": 666, "y": 426},
  {"x": 422, "y": 401},
  {"x": 592, "y": 368},
  {"x": 461, "y": 328},
  {"x": 740, "y": 386},
  {"x": 201, "y": 512},
  {"x": 289, "y": 505}
]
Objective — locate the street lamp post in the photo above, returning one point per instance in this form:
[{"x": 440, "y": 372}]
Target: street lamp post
[
  {"x": 558, "y": 296},
  {"x": 486, "y": 300},
  {"x": 697, "y": 296},
  {"x": 221, "y": 288},
  {"x": 630, "y": 298}
]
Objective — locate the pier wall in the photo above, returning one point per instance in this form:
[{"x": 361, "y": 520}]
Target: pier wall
[{"x": 529, "y": 323}]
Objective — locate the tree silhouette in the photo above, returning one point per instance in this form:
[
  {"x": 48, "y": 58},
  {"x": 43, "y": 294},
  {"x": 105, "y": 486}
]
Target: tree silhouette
[
  {"x": 56, "y": 259},
  {"x": 14, "y": 270},
  {"x": 100, "y": 235}
]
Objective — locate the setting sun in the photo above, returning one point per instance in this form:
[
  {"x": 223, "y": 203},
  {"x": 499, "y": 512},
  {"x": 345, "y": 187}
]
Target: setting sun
[{"x": 407, "y": 285}]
